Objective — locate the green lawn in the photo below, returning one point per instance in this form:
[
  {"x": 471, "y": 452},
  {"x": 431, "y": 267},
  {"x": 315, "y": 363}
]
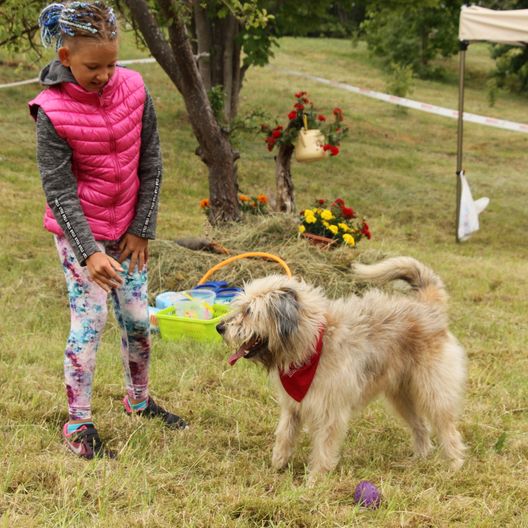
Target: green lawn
[{"x": 398, "y": 170}]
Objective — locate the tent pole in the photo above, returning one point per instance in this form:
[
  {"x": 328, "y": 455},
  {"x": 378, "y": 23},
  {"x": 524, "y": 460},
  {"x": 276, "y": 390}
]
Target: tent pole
[{"x": 463, "y": 45}]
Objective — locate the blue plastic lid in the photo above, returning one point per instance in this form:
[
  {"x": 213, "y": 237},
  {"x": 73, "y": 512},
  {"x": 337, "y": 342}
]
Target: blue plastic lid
[
  {"x": 228, "y": 292},
  {"x": 212, "y": 285}
]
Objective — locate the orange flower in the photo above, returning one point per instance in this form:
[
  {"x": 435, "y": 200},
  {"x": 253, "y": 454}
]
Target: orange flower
[
  {"x": 204, "y": 203},
  {"x": 262, "y": 198},
  {"x": 244, "y": 198}
]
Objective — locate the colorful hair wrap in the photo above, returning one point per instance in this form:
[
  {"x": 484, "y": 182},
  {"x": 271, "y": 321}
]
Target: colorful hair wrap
[
  {"x": 49, "y": 24},
  {"x": 57, "y": 20}
]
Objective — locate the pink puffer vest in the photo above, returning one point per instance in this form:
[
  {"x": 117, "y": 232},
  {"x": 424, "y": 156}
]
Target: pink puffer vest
[{"x": 104, "y": 133}]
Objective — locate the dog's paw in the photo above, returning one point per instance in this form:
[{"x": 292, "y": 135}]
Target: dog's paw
[
  {"x": 279, "y": 460},
  {"x": 422, "y": 450},
  {"x": 315, "y": 477},
  {"x": 311, "y": 481},
  {"x": 456, "y": 463}
]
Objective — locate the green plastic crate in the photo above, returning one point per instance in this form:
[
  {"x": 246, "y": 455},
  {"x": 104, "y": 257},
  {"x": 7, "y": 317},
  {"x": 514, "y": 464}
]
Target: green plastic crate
[{"x": 174, "y": 328}]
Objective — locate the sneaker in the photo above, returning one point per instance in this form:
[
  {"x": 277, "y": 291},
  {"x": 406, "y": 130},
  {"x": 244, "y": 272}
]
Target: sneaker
[
  {"x": 85, "y": 442},
  {"x": 153, "y": 410}
]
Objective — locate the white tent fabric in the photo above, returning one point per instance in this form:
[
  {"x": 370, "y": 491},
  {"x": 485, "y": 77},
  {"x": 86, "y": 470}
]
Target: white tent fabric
[{"x": 507, "y": 27}]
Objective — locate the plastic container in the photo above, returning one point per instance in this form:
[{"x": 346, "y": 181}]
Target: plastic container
[
  {"x": 191, "y": 303},
  {"x": 174, "y": 328},
  {"x": 168, "y": 298},
  {"x": 226, "y": 295},
  {"x": 195, "y": 304}
]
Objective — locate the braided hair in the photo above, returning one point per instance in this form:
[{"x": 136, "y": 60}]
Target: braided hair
[{"x": 58, "y": 22}]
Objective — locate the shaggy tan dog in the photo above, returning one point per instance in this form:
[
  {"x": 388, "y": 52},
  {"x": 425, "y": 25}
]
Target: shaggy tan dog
[{"x": 394, "y": 344}]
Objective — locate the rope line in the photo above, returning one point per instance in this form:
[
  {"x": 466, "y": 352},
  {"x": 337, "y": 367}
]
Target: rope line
[{"x": 387, "y": 98}]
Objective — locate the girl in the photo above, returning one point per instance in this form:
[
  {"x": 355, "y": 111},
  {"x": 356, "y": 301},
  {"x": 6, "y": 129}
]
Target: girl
[{"x": 99, "y": 159}]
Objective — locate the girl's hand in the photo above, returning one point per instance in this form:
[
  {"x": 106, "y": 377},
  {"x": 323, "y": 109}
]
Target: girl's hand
[
  {"x": 136, "y": 248},
  {"x": 102, "y": 269}
]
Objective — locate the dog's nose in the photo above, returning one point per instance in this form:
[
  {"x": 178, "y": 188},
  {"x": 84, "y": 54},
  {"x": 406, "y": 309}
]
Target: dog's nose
[{"x": 220, "y": 328}]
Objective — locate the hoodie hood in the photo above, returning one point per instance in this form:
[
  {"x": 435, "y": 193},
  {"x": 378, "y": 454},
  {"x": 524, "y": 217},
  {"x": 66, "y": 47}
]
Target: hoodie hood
[{"x": 55, "y": 73}]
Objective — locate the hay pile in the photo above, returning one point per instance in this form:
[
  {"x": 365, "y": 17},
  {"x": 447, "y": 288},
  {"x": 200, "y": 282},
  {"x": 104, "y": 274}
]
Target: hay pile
[{"x": 173, "y": 267}]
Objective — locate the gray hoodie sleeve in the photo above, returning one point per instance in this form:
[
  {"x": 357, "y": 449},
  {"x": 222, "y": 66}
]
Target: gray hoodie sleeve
[
  {"x": 149, "y": 172},
  {"x": 60, "y": 188}
]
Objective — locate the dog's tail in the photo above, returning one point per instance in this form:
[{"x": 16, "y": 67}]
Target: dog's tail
[{"x": 428, "y": 285}]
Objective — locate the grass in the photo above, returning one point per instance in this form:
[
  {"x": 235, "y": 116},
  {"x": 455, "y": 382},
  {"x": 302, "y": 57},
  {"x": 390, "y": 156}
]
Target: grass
[{"x": 396, "y": 169}]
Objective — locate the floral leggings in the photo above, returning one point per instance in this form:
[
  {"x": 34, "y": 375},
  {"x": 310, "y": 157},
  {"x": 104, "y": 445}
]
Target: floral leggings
[{"x": 88, "y": 307}]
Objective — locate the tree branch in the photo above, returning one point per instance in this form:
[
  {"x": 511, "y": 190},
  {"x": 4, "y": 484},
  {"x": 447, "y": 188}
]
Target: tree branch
[
  {"x": 154, "y": 38},
  {"x": 29, "y": 31}
]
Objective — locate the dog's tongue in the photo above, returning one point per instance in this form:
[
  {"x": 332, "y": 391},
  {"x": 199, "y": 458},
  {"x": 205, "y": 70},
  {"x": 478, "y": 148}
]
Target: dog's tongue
[{"x": 241, "y": 352}]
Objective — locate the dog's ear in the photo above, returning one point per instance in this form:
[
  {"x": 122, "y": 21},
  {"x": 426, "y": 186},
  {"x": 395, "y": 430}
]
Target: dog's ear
[{"x": 286, "y": 312}]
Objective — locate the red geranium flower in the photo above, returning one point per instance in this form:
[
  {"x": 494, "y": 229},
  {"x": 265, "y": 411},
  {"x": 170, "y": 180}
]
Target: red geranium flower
[
  {"x": 320, "y": 201},
  {"x": 292, "y": 114},
  {"x": 298, "y": 106},
  {"x": 348, "y": 212},
  {"x": 276, "y": 133},
  {"x": 321, "y": 117},
  {"x": 365, "y": 230},
  {"x": 270, "y": 140},
  {"x": 334, "y": 151},
  {"x": 298, "y": 95},
  {"x": 338, "y": 113},
  {"x": 339, "y": 201}
]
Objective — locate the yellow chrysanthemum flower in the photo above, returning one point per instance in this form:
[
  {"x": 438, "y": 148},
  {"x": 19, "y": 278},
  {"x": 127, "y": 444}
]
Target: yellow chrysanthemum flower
[
  {"x": 325, "y": 223},
  {"x": 326, "y": 214},
  {"x": 349, "y": 240},
  {"x": 302, "y": 229},
  {"x": 310, "y": 219},
  {"x": 333, "y": 229},
  {"x": 343, "y": 227}
]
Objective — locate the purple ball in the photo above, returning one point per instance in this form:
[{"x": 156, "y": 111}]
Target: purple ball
[{"x": 367, "y": 495}]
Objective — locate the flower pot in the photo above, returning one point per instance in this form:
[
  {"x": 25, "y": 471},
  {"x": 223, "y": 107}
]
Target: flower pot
[{"x": 320, "y": 241}]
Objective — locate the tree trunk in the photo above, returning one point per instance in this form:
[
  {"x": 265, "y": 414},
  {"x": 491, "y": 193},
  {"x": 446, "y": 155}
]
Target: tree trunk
[
  {"x": 285, "y": 198},
  {"x": 231, "y": 29},
  {"x": 237, "y": 73},
  {"x": 219, "y": 38},
  {"x": 176, "y": 58},
  {"x": 203, "y": 45}
]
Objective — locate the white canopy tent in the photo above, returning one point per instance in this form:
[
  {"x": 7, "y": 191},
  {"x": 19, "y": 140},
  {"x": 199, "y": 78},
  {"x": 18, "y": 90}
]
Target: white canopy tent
[{"x": 479, "y": 24}]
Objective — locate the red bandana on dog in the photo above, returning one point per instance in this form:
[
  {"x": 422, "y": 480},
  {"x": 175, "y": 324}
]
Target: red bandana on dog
[{"x": 297, "y": 382}]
